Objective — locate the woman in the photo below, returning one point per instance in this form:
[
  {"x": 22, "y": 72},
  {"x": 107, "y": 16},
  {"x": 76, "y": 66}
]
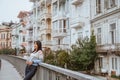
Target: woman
[{"x": 35, "y": 58}]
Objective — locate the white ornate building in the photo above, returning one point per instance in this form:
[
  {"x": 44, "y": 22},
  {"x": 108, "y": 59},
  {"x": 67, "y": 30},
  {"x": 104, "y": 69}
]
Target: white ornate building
[
  {"x": 79, "y": 19},
  {"x": 16, "y": 37},
  {"x": 60, "y": 24},
  {"x": 105, "y": 20},
  {"x": 42, "y": 22},
  {"x": 5, "y": 36}
]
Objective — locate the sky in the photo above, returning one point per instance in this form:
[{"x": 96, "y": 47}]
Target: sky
[{"x": 9, "y": 9}]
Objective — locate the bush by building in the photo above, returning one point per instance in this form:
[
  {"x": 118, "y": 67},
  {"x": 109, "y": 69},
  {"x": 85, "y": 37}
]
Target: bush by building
[{"x": 7, "y": 51}]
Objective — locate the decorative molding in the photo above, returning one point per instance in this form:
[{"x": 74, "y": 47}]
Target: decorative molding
[{"x": 105, "y": 15}]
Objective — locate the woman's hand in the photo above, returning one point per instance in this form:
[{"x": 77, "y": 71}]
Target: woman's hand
[{"x": 29, "y": 62}]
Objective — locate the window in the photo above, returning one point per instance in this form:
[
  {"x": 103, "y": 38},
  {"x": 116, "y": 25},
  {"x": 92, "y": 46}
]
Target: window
[
  {"x": 64, "y": 25},
  {"x": 67, "y": 23},
  {"x": 110, "y": 4},
  {"x": 67, "y": 6},
  {"x": 4, "y": 36},
  {"x": 23, "y": 38},
  {"x": 55, "y": 8},
  {"x": 80, "y": 35},
  {"x": 99, "y": 36},
  {"x": 86, "y": 34},
  {"x": 98, "y": 6},
  {"x": 3, "y": 44},
  {"x": 58, "y": 41},
  {"x": 114, "y": 63},
  {"x": 112, "y": 32},
  {"x": 101, "y": 62},
  {"x": 55, "y": 24}
]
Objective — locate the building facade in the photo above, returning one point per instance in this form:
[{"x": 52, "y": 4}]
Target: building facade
[
  {"x": 5, "y": 36},
  {"x": 105, "y": 21},
  {"x": 79, "y": 20},
  {"x": 16, "y": 37},
  {"x": 42, "y": 22},
  {"x": 26, "y": 31},
  {"x": 60, "y": 24}
]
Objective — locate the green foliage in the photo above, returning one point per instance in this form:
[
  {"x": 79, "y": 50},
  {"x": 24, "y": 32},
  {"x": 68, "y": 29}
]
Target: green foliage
[
  {"x": 62, "y": 58},
  {"x": 58, "y": 58},
  {"x": 7, "y": 51},
  {"x": 114, "y": 76},
  {"x": 49, "y": 56},
  {"x": 83, "y": 54},
  {"x": 23, "y": 50}
]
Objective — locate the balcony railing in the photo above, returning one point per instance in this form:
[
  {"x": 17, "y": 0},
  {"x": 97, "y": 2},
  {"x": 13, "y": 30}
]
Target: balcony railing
[
  {"x": 77, "y": 2},
  {"x": 59, "y": 33},
  {"x": 44, "y": 29},
  {"x": 32, "y": 0},
  {"x": 29, "y": 27},
  {"x": 61, "y": 46},
  {"x": 77, "y": 22},
  {"x": 29, "y": 39},
  {"x": 108, "y": 48},
  {"x": 53, "y": 1},
  {"x": 44, "y": 15},
  {"x": 47, "y": 43}
]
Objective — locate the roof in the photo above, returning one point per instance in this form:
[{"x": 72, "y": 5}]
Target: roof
[{"x": 23, "y": 14}]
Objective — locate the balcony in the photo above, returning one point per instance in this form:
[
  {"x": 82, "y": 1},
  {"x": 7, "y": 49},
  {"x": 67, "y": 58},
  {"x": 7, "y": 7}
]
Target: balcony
[
  {"x": 15, "y": 35},
  {"x": 77, "y": 2},
  {"x": 48, "y": 31},
  {"x": 20, "y": 31},
  {"x": 47, "y": 43},
  {"x": 29, "y": 39},
  {"x": 60, "y": 33},
  {"x": 32, "y": 0},
  {"x": 61, "y": 46},
  {"x": 77, "y": 23},
  {"x": 45, "y": 30},
  {"x": 44, "y": 14},
  {"x": 53, "y": 1},
  {"x": 62, "y": 15},
  {"x": 48, "y": 2},
  {"x": 24, "y": 44},
  {"x": 29, "y": 27}
]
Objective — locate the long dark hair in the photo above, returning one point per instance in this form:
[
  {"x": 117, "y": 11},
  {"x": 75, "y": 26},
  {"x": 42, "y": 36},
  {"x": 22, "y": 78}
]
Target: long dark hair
[{"x": 39, "y": 44}]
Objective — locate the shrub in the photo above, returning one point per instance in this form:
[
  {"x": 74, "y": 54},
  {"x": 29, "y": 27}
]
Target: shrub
[
  {"x": 62, "y": 58},
  {"x": 83, "y": 54},
  {"x": 49, "y": 56},
  {"x": 7, "y": 51}
]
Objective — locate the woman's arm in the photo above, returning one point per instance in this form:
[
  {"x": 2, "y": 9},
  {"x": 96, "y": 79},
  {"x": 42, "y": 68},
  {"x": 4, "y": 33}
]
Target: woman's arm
[{"x": 40, "y": 58}]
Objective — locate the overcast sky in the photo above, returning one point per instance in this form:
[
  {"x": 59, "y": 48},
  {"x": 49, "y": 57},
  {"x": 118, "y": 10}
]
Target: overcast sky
[{"x": 9, "y": 9}]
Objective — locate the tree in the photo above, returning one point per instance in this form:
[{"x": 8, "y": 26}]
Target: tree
[
  {"x": 49, "y": 56},
  {"x": 93, "y": 53},
  {"x": 83, "y": 54},
  {"x": 62, "y": 58}
]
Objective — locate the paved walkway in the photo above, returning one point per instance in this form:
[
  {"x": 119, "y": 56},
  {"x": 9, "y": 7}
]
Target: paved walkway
[{"x": 8, "y": 72}]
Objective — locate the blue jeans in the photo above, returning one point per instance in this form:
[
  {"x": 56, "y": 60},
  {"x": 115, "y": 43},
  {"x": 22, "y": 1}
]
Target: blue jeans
[{"x": 30, "y": 71}]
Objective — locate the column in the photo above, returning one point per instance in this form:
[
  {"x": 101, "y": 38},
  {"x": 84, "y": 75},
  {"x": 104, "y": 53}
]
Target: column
[
  {"x": 58, "y": 6},
  {"x": 62, "y": 26}
]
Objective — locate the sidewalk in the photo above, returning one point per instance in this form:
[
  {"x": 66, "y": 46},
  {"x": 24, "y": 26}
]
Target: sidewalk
[{"x": 8, "y": 72}]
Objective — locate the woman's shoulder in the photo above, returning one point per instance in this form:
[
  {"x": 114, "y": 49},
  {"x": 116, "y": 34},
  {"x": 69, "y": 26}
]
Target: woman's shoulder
[{"x": 40, "y": 51}]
